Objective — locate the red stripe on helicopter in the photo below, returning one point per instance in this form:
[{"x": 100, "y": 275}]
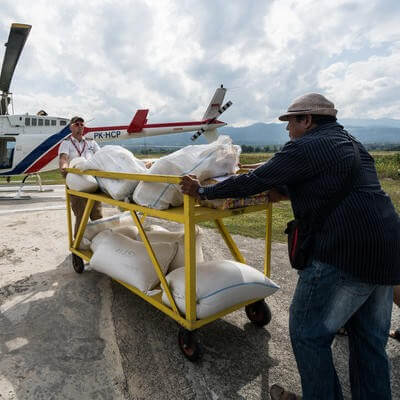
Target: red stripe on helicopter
[
  {"x": 165, "y": 125},
  {"x": 44, "y": 160}
]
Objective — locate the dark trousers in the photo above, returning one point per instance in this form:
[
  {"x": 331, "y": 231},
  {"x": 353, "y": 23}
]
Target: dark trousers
[{"x": 326, "y": 299}]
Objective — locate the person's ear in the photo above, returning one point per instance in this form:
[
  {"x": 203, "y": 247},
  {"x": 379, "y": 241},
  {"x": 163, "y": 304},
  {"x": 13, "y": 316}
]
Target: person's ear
[{"x": 308, "y": 121}]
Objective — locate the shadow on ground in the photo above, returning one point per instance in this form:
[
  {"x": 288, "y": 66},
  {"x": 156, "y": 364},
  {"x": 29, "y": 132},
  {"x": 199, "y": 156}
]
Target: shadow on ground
[{"x": 51, "y": 343}]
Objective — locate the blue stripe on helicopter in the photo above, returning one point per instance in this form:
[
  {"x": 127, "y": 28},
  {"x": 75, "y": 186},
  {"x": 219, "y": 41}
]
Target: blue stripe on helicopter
[{"x": 38, "y": 152}]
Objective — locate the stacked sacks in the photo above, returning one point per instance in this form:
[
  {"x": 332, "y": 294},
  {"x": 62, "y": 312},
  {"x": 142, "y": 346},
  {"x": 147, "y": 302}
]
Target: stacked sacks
[
  {"x": 157, "y": 234},
  {"x": 205, "y": 161},
  {"x": 127, "y": 260},
  {"x": 82, "y": 183},
  {"x": 114, "y": 221},
  {"x": 116, "y": 159},
  {"x": 118, "y": 221}
]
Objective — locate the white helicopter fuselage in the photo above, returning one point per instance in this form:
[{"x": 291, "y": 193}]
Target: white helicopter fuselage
[{"x": 29, "y": 143}]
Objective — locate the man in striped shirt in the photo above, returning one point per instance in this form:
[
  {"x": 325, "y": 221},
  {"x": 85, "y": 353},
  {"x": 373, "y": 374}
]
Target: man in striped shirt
[{"x": 356, "y": 257}]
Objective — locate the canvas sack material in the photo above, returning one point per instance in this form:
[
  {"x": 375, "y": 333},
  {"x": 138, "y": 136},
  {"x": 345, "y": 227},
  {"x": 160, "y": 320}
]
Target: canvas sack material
[
  {"x": 127, "y": 260},
  {"x": 220, "y": 284},
  {"x": 99, "y": 225},
  {"x": 214, "y": 159},
  {"x": 156, "y": 233},
  {"x": 82, "y": 183},
  {"x": 116, "y": 159}
]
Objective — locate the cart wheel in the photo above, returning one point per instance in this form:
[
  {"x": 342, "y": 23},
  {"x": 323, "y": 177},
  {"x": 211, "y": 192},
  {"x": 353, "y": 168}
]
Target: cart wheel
[
  {"x": 78, "y": 264},
  {"x": 188, "y": 344},
  {"x": 259, "y": 313}
]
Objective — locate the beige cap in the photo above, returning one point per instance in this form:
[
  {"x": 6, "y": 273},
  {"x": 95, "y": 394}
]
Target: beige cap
[
  {"x": 311, "y": 103},
  {"x": 76, "y": 119}
]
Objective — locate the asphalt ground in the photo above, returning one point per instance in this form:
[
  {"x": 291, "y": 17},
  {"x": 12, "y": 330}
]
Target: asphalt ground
[{"x": 70, "y": 336}]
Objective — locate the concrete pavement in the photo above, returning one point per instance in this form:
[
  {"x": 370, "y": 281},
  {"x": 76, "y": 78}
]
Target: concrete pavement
[{"x": 70, "y": 336}]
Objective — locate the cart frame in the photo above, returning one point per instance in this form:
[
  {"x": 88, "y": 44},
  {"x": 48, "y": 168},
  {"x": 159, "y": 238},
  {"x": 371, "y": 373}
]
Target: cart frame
[{"x": 189, "y": 215}]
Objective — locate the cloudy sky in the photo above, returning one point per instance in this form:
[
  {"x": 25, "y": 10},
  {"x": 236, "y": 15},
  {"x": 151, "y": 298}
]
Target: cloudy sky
[{"x": 104, "y": 59}]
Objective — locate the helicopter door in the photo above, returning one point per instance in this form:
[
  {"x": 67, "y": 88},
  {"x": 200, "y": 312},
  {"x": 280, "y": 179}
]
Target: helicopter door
[{"x": 7, "y": 146}]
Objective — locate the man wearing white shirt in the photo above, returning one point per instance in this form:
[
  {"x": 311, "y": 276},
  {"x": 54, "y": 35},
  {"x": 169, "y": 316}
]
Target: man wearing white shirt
[{"x": 77, "y": 146}]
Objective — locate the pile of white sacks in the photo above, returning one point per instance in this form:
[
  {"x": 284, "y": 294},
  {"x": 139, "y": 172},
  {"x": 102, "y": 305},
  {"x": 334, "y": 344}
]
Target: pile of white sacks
[
  {"x": 205, "y": 161},
  {"x": 118, "y": 251}
]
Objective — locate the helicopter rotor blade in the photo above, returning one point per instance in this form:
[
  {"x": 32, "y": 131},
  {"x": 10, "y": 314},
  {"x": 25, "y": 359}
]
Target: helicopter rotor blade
[{"x": 16, "y": 41}]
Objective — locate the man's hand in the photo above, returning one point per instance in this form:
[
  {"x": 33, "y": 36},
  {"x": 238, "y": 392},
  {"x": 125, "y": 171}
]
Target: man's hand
[
  {"x": 274, "y": 196},
  {"x": 63, "y": 164},
  {"x": 190, "y": 185},
  {"x": 64, "y": 172}
]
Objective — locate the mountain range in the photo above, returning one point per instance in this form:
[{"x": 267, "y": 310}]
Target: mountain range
[{"x": 368, "y": 131}]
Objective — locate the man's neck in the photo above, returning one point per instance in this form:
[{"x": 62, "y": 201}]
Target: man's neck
[{"x": 79, "y": 140}]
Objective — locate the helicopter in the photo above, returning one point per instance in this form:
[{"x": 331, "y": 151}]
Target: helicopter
[{"x": 29, "y": 143}]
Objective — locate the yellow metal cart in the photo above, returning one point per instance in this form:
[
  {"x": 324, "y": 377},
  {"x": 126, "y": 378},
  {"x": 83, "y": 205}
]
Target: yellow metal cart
[{"x": 189, "y": 215}]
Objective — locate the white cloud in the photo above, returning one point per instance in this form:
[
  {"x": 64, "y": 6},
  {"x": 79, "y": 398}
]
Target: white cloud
[
  {"x": 105, "y": 60},
  {"x": 365, "y": 88}
]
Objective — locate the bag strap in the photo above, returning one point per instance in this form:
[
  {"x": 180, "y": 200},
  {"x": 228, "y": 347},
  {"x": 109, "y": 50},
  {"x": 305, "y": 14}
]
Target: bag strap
[{"x": 339, "y": 197}]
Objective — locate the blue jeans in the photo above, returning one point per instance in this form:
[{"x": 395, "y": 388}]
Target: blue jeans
[{"x": 325, "y": 300}]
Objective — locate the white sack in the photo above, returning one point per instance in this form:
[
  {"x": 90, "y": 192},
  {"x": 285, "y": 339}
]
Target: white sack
[
  {"x": 131, "y": 232},
  {"x": 82, "y": 183},
  {"x": 95, "y": 227},
  {"x": 156, "y": 233},
  {"x": 220, "y": 285},
  {"x": 127, "y": 260},
  {"x": 116, "y": 159},
  {"x": 85, "y": 244},
  {"x": 205, "y": 161}
]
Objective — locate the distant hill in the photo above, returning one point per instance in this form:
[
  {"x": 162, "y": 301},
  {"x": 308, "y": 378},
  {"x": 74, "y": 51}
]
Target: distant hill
[{"x": 368, "y": 131}]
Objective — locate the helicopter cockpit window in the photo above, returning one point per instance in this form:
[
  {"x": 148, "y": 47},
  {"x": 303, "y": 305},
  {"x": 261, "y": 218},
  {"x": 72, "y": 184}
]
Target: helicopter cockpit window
[
  {"x": 40, "y": 122},
  {"x": 47, "y": 122},
  {"x": 27, "y": 121},
  {"x": 7, "y": 146},
  {"x": 53, "y": 122},
  {"x": 34, "y": 122}
]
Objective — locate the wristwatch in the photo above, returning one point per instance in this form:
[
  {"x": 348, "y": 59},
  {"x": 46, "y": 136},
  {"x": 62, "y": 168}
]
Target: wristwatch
[{"x": 200, "y": 191}]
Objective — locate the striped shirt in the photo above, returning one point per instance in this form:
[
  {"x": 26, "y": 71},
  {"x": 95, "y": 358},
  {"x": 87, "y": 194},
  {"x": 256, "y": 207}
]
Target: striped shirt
[{"x": 362, "y": 234}]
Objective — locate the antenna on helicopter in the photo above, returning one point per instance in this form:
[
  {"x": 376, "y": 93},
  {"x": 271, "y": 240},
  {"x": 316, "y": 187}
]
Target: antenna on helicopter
[{"x": 16, "y": 41}]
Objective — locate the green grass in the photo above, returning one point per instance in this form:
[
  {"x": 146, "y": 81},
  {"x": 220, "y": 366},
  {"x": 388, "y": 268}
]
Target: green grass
[
  {"x": 49, "y": 177},
  {"x": 387, "y": 165}
]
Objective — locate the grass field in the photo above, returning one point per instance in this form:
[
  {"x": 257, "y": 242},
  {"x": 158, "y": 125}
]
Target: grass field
[{"x": 253, "y": 225}]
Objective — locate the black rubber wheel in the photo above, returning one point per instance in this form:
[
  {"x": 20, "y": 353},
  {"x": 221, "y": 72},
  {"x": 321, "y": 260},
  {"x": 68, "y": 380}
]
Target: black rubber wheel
[
  {"x": 190, "y": 347},
  {"x": 259, "y": 313},
  {"x": 78, "y": 264}
]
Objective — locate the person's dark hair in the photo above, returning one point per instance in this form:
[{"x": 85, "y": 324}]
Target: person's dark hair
[{"x": 317, "y": 119}]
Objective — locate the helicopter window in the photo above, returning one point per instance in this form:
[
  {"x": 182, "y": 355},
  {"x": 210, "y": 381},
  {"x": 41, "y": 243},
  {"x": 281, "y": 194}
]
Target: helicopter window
[
  {"x": 7, "y": 146},
  {"x": 34, "y": 122},
  {"x": 47, "y": 122},
  {"x": 40, "y": 122},
  {"x": 53, "y": 122},
  {"x": 62, "y": 122},
  {"x": 27, "y": 121}
]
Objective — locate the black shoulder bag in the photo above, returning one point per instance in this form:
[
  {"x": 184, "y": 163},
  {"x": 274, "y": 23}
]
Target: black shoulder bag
[{"x": 301, "y": 232}]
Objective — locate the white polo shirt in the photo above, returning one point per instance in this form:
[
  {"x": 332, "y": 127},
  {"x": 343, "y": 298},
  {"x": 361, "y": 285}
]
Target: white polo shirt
[{"x": 85, "y": 148}]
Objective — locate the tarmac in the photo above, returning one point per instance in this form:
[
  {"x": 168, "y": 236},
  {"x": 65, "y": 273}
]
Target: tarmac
[{"x": 83, "y": 336}]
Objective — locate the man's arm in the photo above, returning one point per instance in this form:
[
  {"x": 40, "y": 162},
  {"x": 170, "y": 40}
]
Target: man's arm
[
  {"x": 63, "y": 164},
  {"x": 286, "y": 167}
]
